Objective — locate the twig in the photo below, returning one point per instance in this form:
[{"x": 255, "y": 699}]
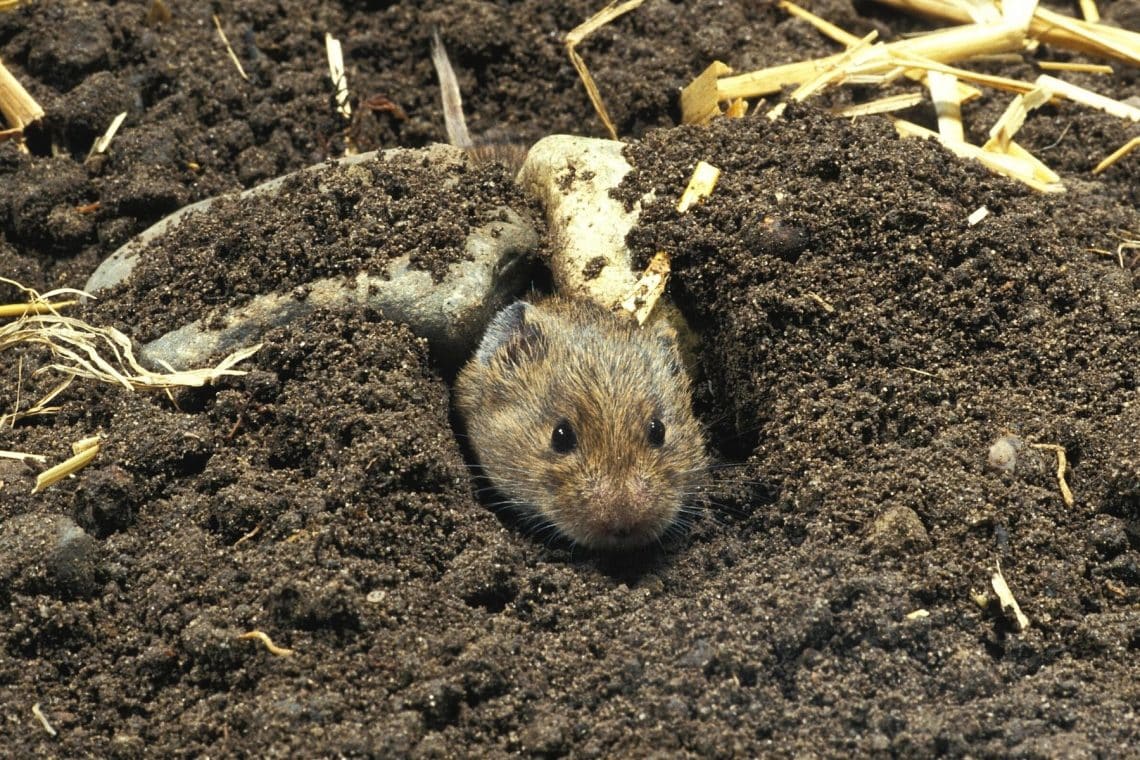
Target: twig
[
  {"x": 268, "y": 642},
  {"x": 36, "y": 711},
  {"x": 1062, "y": 463},
  {"x": 229, "y": 49},
  {"x": 575, "y": 36}
]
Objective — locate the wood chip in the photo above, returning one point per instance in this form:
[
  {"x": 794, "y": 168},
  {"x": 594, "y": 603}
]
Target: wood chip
[
  {"x": 19, "y": 108},
  {"x": 1009, "y": 605}
]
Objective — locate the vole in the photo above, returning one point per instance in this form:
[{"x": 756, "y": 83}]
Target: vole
[
  {"x": 574, "y": 412},
  {"x": 578, "y": 414}
]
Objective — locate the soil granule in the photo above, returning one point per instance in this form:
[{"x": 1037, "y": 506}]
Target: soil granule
[{"x": 862, "y": 348}]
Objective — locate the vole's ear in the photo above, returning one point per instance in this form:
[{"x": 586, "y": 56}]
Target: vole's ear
[
  {"x": 513, "y": 336},
  {"x": 666, "y": 336}
]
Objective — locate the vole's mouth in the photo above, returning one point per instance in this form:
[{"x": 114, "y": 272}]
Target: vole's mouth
[{"x": 618, "y": 533}]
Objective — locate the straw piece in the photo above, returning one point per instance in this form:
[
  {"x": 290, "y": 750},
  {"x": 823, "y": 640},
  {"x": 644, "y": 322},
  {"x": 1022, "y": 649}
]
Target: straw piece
[
  {"x": 944, "y": 92},
  {"x": 69, "y": 466},
  {"x": 1007, "y": 165},
  {"x": 882, "y": 105},
  {"x": 1009, "y": 605},
  {"x": 700, "y": 185},
  {"x": 19, "y": 108},
  {"x": 1003, "y": 130},
  {"x": 966, "y": 93},
  {"x": 1084, "y": 68},
  {"x": 104, "y": 141},
  {"x": 940, "y": 47},
  {"x": 337, "y": 75},
  {"x": 576, "y": 35},
  {"x": 229, "y": 49},
  {"x": 699, "y": 99},
  {"x": 1117, "y": 154},
  {"x": 648, "y": 289},
  {"x": 1089, "y": 98}
]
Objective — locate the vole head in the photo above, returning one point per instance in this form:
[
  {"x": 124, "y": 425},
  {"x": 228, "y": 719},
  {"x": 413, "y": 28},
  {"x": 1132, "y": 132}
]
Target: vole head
[{"x": 585, "y": 418}]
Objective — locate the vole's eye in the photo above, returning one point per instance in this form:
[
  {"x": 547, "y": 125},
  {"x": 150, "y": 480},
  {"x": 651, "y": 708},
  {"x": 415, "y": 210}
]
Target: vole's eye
[
  {"x": 656, "y": 432},
  {"x": 563, "y": 440}
]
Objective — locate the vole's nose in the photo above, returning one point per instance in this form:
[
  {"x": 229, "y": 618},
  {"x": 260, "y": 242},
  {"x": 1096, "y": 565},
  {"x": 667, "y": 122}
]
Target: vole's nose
[{"x": 625, "y": 512}]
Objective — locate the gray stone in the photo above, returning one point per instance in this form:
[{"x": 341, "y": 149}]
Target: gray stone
[
  {"x": 450, "y": 314},
  {"x": 573, "y": 177},
  {"x": 898, "y": 531},
  {"x": 48, "y": 554}
]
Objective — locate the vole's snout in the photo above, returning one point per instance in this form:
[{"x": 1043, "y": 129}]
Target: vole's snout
[{"x": 622, "y": 513}]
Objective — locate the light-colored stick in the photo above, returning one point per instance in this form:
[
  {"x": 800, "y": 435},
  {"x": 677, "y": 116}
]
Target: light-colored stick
[
  {"x": 19, "y": 108},
  {"x": 69, "y": 466},
  {"x": 1089, "y": 98},
  {"x": 1084, "y": 68},
  {"x": 229, "y": 49},
  {"x": 944, "y": 92},
  {"x": 1117, "y": 154},
  {"x": 337, "y": 75},
  {"x": 943, "y": 46},
  {"x": 882, "y": 105},
  {"x": 575, "y": 36}
]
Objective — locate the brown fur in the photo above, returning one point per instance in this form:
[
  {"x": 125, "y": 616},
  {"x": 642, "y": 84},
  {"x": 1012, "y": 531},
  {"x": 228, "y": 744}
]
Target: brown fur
[{"x": 565, "y": 359}]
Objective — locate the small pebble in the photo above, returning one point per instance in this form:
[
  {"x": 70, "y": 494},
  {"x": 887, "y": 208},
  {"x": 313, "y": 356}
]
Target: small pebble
[
  {"x": 1003, "y": 453},
  {"x": 48, "y": 554},
  {"x": 899, "y": 530}
]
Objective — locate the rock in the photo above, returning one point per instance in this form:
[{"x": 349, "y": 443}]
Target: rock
[
  {"x": 450, "y": 314},
  {"x": 898, "y": 530},
  {"x": 48, "y": 554},
  {"x": 119, "y": 265},
  {"x": 573, "y": 177}
]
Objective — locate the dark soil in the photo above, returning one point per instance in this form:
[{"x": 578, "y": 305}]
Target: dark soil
[{"x": 863, "y": 346}]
